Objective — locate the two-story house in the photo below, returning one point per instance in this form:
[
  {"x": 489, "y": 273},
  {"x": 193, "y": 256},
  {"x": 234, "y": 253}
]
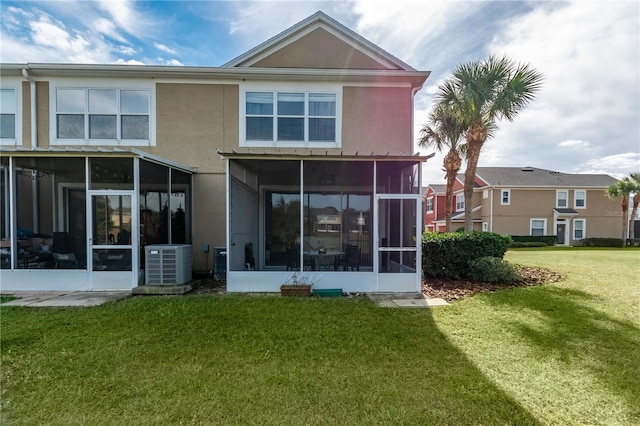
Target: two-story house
[
  {"x": 434, "y": 208},
  {"x": 297, "y": 155},
  {"x": 533, "y": 201}
]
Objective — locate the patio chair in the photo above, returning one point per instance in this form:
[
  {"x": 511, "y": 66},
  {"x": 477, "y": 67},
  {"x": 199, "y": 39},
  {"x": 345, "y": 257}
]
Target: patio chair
[
  {"x": 64, "y": 260},
  {"x": 350, "y": 259}
]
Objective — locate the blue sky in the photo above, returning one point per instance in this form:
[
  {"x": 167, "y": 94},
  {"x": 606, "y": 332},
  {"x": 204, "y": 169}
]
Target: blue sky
[{"x": 586, "y": 119}]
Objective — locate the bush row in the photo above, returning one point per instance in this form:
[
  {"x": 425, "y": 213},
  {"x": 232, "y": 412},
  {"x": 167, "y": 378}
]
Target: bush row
[
  {"x": 449, "y": 255},
  {"x": 518, "y": 244},
  {"x": 548, "y": 240},
  {"x": 601, "y": 242}
]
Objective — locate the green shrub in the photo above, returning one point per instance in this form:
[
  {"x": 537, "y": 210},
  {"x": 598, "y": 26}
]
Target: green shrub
[
  {"x": 521, "y": 244},
  {"x": 448, "y": 255},
  {"x": 493, "y": 270},
  {"x": 602, "y": 242},
  {"x": 548, "y": 240}
]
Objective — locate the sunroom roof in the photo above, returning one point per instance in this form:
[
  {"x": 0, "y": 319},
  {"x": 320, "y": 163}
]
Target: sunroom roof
[{"x": 324, "y": 155}]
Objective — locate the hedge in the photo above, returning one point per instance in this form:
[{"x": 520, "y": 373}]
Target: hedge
[
  {"x": 448, "y": 255},
  {"x": 548, "y": 240},
  {"x": 602, "y": 242},
  {"x": 519, "y": 244}
]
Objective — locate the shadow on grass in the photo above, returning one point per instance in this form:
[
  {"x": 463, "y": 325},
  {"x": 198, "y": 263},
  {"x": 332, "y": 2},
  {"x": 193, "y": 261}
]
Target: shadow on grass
[
  {"x": 569, "y": 328},
  {"x": 244, "y": 360}
]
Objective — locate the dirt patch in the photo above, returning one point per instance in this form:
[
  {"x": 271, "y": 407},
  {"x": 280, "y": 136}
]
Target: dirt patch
[
  {"x": 209, "y": 286},
  {"x": 452, "y": 290}
]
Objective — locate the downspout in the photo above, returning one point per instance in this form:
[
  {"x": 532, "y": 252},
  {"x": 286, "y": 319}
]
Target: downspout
[
  {"x": 491, "y": 211},
  {"x": 34, "y": 114}
]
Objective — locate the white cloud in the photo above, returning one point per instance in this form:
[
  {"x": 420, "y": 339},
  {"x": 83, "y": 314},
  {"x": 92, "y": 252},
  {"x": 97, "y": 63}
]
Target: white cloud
[
  {"x": 164, "y": 48},
  {"x": 573, "y": 143}
]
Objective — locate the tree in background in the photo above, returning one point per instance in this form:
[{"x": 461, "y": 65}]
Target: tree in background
[
  {"x": 479, "y": 94},
  {"x": 444, "y": 131},
  {"x": 622, "y": 190}
]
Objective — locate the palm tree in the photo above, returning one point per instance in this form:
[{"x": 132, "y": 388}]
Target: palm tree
[
  {"x": 479, "y": 94},
  {"x": 635, "y": 179},
  {"x": 622, "y": 190},
  {"x": 444, "y": 131}
]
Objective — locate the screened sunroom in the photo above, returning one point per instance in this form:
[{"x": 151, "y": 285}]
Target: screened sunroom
[
  {"x": 349, "y": 222},
  {"x": 80, "y": 219}
]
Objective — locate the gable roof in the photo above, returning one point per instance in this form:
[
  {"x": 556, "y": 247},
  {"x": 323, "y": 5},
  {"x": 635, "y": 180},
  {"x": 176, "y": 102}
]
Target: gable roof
[
  {"x": 319, "y": 21},
  {"x": 531, "y": 176},
  {"x": 437, "y": 189}
]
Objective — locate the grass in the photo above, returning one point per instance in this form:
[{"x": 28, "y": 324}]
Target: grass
[
  {"x": 561, "y": 354},
  {"x": 4, "y": 299}
]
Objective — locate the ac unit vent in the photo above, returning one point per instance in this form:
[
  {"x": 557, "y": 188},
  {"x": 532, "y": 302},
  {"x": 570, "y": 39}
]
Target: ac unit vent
[{"x": 168, "y": 264}]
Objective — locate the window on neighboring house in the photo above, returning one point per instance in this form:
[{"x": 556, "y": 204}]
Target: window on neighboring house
[
  {"x": 102, "y": 114},
  {"x": 580, "y": 199},
  {"x": 459, "y": 202},
  {"x": 538, "y": 227},
  {"x": 561, "y": 199},
  {"x": 430, "y": 204},
  {"x": 485, "y": 226},
  {"x": 505, "y": 197},
  {"x": 485, "y": 194},
  {"x": 579, "y": 229},
  {"x": 290, "y": 117},
  {"x": 8, "y": 112}
]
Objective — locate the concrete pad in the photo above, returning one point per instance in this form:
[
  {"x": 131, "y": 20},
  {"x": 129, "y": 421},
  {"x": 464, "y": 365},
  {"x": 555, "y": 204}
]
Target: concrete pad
[
  {"x": 436, "y": 301},
  {"x": 60, "y": 299}
]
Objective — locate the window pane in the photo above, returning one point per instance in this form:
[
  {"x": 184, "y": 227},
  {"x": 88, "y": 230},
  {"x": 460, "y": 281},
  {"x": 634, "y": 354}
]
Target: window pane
[
  {"x": 102, "y": 101},
  {"x": 70, "y": 126},
  {"x": 70, "y": 100},
  {"x": 259, "y": 128},
  {"x": 134, "y": 102},
  {"x": 290, "y": 129},
  {"x": 7, "y": 101},
  {"x": 290, "y": 103},
  {"x": 260, "y": 103},
  {"x": 135, "y": 127},
  {"x": 537, "y": 232},
  {"x": 322, "y": 105},
  {"x": 322, "y": 129},
  {"x": 102, "y": 127},
  {"x": 7, "y": 126},
  {"x": 111, "y": 173}
]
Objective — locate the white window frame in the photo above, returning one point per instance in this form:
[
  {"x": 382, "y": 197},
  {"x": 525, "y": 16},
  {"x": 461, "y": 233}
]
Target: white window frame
[
  {"x": 430, "y": 201},
  {"x": 584, "y": 229},
  {"x": 291, "y": 87},
  {"x": 16, "y": 86},
  {"x": 460, "y": 202},
  {"x": 566, "y": 198},
  {"x": 89, "y": 84},
  {"x": 502, "y": 193},
  {"x": 485, "y": 226},
  {"x": 544, "y": 221},
  {"x": 575, "y": 199},
  {"x": 485, "y": 194}
]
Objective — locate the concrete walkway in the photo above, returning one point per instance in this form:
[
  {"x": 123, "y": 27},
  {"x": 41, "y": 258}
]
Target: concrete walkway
[
  {"x": 94, "y": 298},
  {"x": 61, "y": 298},
  {"x": 405, "y": 300}
]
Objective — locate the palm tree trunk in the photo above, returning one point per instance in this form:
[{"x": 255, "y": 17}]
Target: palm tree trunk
[
  {"x": 634, "y": 212},
  {"x": 452, "y": 163},
  {"x": 625, "y": 219},
  {"x": 476, "y": 136}
]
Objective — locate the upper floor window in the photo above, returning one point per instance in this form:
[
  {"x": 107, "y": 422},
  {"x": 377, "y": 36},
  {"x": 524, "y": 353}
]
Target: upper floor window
[
  {"x": 580, "y": 199},
  {"x": 459, "y": 202},
  {"x": 8, "y": 116},
  {"x": 505, "y": 197},
  {"x": 102, "y": 115},
  {"x": 430, "y": 204},
  {"x": 290, "y": 117},
  {"x": 561, "y": 198}
]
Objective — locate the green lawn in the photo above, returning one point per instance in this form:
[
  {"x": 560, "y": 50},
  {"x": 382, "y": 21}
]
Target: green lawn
[{"x": 561, "y": 354}]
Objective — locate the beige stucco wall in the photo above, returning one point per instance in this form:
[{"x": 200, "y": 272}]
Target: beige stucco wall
[
  {"x": 304, "y": 53},
  {"x": 528, "y": 203},
  {"x": 42, "y": 112},
  {"x": 377, "y": 119}
]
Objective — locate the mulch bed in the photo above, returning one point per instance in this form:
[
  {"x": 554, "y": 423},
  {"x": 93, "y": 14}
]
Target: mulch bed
[
  {"x": 449, "y": 290},
  {"x": 452, "y": 290}
]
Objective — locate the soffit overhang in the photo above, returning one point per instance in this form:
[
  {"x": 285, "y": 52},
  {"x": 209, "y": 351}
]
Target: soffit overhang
[{"x": 41, "y": 71}]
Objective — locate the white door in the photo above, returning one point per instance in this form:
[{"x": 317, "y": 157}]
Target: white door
[
  {"x": 397, "y": 258},
  {"x": 112, "y": 240}
]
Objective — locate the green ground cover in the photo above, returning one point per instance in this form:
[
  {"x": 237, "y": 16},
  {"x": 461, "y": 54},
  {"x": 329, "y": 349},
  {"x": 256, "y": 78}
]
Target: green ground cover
[{"x": 560, "y": 354}]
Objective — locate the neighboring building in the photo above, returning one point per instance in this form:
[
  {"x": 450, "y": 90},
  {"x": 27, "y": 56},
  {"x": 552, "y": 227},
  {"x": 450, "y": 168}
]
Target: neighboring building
[
  {"x": 532, "y": 201},
  {"x": 297, "y": 152},
  {"x": 434, "y": 207}
]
